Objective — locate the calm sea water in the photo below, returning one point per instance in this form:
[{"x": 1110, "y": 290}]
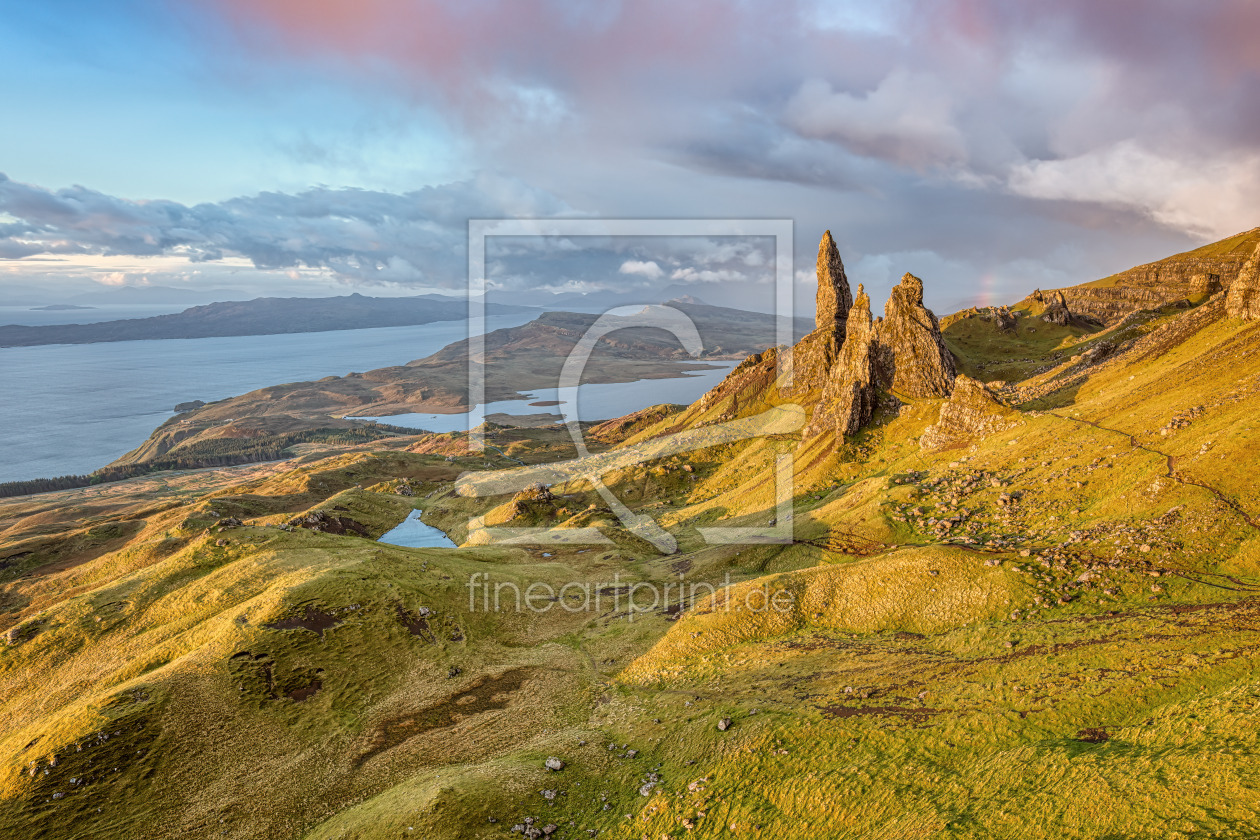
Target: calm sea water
[
  {"x": 591, "y": 401},
  {"x": 69, "y": 409}
]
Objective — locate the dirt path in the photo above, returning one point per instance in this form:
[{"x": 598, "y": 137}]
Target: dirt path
[{"x": 1171, "y": 465}]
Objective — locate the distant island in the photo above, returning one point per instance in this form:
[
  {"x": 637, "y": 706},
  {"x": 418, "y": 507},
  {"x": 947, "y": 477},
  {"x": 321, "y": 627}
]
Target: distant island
[
  {"x": 59, "y": 307},
  {"x": 262, "y": 316}
]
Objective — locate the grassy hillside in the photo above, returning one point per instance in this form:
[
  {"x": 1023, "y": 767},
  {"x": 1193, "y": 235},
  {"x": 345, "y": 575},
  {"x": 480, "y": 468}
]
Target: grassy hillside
[{"x": 1045, "y": 632}]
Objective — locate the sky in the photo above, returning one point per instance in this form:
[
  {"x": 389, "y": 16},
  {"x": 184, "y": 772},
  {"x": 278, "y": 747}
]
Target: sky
[{"x": 327, "y": 146}]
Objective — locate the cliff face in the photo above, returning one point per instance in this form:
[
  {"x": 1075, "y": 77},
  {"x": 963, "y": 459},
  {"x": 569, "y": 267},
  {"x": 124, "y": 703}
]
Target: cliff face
[
  {"x": 1207, "y": 270},
  {"x": 1243, "y": 300}
]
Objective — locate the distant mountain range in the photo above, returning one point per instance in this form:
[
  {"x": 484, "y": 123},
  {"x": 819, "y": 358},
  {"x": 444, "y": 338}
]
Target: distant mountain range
[{"x": 262, "y": 316}]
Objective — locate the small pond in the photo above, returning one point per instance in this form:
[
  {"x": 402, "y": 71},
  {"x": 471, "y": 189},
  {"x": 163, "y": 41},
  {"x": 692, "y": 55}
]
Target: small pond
[{"x": 413, "y": 533}]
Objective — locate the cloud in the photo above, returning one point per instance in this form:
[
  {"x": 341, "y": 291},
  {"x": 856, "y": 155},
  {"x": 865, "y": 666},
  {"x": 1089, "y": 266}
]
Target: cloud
[
  {"x": 1213, "y": 197},
  {"x": 643, "y": 268},
  {"x": 695, "y": 275},
  {"x": 1022, "y": 141},
  {"x": 905, "y": 120},
  {"x": 414, "y": 238}
]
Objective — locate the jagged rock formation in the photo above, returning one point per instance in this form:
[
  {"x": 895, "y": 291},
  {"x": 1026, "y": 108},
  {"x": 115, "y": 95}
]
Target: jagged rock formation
[
  {"x": 1057, "y": 311},
  {"x": 813, "y": 357},
  {"x": 902, "y": 352},
  {"x": 834, "y": 299},
  {"x": 849, "y": 399},
  {"x": 973, "y": 412},
  {"x": 1243, "y": 300},
  {"x": 911, "y": 357},
  {"x": 1003, "y": 318}
]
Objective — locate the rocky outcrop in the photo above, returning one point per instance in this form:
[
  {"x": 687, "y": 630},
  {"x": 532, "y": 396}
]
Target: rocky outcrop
[
  {"x": 1057, "y": 311},
  {"x": 834, "y": 300},
  {"x": 813, "y": 356},
  {"x": 972, "y": 413},
  {"x": 319, "y": 520},
  {"x": 849, "y": 399},
  {"x": 1204, "y": 271},
  {"x": 534, "y": 502},
  {"x": 1243, "y": 300},
  {"x": 1002, "y": 317},
  {"x": 911, "y": 357},
  {"x": 1205, "y": 284}
]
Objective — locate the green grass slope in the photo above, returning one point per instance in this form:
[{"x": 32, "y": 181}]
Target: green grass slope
[{"x": 1045, "y": 632}]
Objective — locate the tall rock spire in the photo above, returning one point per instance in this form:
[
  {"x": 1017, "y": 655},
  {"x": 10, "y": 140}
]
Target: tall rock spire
[
  {"x": 834, "y": 298},
  {"x": 813, "y": 355},
  {"x": 912, "y": 357},
  {"x": 848, "y": 401}
]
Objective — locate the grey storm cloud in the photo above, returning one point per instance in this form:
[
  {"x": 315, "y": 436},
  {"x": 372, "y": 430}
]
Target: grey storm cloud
[{"x": 410, "y": 238}]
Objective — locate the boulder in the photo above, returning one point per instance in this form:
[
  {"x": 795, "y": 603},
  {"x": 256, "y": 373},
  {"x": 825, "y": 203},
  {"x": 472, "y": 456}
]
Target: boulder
[
  {"x": 1243, "y": 300},
  {"x": 849, "y": 399},
  {"x": 973, "y": 412},
  {"x": 911, "y": 357}
]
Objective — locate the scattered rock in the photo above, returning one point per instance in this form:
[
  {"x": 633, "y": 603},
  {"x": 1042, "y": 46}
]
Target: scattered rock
[
  {"x": 724, "y": 724},
  {"x": 553, "y": 764},
  {"x": 324, "y": 522},
  {"x": 1003, "y": 318}
]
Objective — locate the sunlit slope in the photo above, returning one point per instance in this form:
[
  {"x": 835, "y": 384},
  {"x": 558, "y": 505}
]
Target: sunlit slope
[{"x": 1041, "y": 631}]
